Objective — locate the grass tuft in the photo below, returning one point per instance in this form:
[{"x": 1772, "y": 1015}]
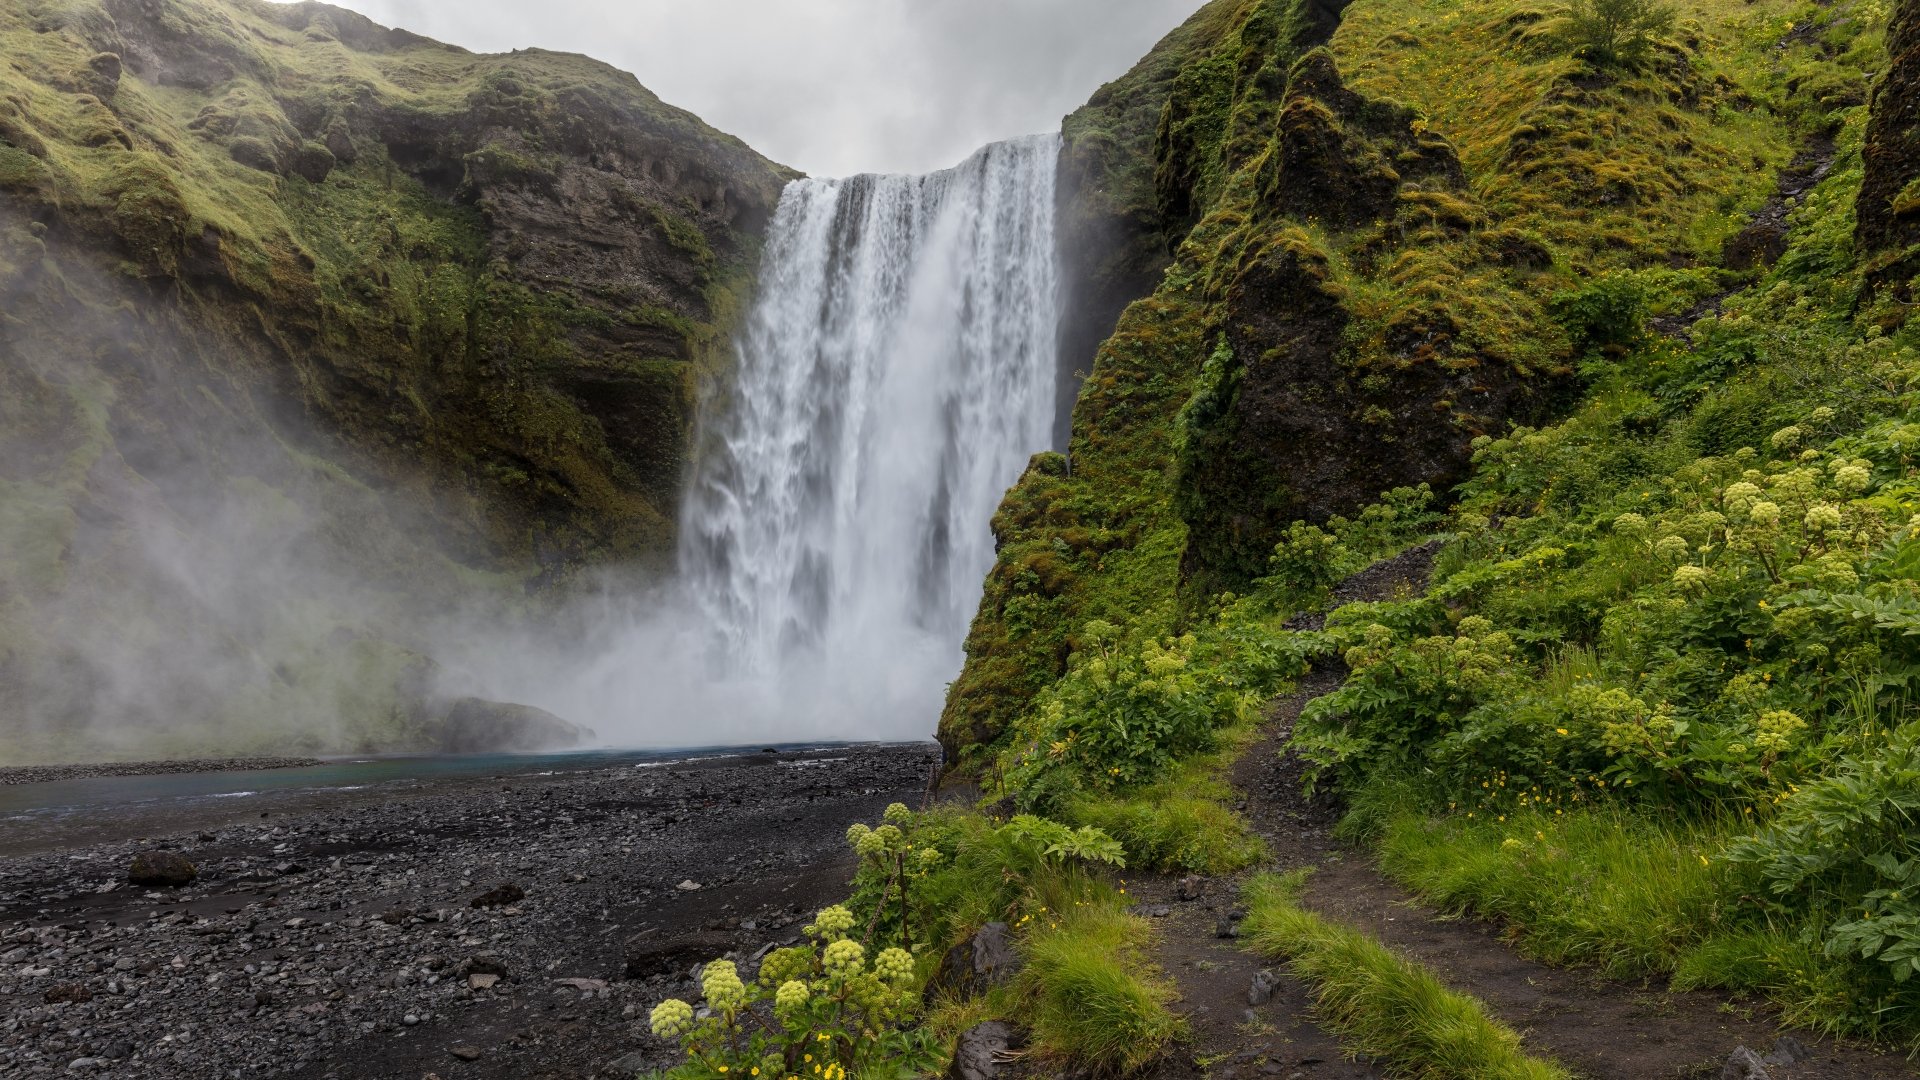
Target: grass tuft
[{"x": 1387, "y": 1006}]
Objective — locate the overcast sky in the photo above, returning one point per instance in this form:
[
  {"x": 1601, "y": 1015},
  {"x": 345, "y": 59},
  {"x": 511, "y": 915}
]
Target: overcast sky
[{"x": 833, "y": 86}]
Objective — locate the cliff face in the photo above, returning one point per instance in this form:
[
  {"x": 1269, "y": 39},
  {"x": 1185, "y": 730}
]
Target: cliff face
[
  {"x": 1888, "y": 219},
  {"x": 340, "y": 305},
  {"x": 1386, "y": 229}
]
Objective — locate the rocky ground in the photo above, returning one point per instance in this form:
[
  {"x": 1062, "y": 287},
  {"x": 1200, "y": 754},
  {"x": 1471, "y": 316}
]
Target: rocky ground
[{"x": 516, "y": 927}]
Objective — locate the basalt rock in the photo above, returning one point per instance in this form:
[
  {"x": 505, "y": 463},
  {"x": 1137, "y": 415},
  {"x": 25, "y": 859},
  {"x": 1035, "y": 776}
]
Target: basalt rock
[
  {"x": 1888, "y": 214},
  {"x": 976, "y": 965},
  {"x": 1285, "y": 425}
]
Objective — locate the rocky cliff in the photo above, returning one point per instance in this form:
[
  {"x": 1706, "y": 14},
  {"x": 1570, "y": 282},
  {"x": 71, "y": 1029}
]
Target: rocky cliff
[
  {"x": 1353, "y": 277},
  {"x": 327, "y": 323},
  {"x": 1888, "y": 221}
]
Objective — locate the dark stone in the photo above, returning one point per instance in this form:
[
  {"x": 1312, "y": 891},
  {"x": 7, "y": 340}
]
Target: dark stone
[
  {"x": 981, "y": 1050},
  {"x": 1787, "y": 1050},
  {"x": 505, "y": 894},
  {"x": 483, "y": 964},
  {"x": 1744, "y": 1064},
  {"x": 465, "y": 1053},
  {"x": 339, "y": 143},
  {"x": 1226, "y": 928},
  {"x": 1192, "y": 887},
  {"x": 976, "y": 965},
  {"x": 67, "y": 994},
  {"x": 168, "y": 869},
  {"x": 645, "y": 960},
  {"x": 477, "y": 726},
  {"x": 1260, "y": 991}
]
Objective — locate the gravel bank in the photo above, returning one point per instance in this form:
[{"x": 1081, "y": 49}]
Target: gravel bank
[
  {"x": 42, "y": 774},
  {"x": 343, "y": 941}
]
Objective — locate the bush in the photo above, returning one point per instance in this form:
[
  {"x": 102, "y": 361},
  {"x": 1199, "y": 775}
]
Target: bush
[{"x": 1617, "y": 32}]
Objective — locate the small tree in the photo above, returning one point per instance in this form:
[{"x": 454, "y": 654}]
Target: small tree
[{"x": 1617, "y": 32}]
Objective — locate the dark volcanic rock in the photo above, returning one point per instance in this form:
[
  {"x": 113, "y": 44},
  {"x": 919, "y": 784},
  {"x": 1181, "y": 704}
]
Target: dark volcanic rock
[
  {"x": 976, "y": 965},
  {"x": 980, "y": 1050},
  {"x": 162, "y": 868},
  {"x": 475, "y": 726},
  {"x": 1889, "y": 203}
]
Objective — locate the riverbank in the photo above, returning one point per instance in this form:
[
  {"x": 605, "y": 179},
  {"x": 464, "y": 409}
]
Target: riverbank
[
  {"x": 341, "y": 939},
  {"x": 47, "y": 774}
]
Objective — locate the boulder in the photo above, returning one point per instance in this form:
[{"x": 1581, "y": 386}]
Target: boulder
[
  {"x": 981, "y": 962},
  {"x": 982, "y": 1051},
  {"x": 168, "y": 869},
  {"x": 477, "y": 726}
]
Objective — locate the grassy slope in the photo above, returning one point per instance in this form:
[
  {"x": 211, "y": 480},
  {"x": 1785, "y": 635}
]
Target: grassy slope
[{"x": 1566, "y": 180}]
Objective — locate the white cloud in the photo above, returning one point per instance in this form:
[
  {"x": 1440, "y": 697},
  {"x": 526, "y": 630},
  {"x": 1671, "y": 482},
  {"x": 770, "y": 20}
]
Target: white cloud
[{"x": 833, "y": 86}]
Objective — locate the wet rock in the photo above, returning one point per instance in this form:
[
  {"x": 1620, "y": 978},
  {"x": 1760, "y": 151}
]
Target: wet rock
[
  {"x": 1260, "y": 991},
  {"x": 983, "y": 961},
  {"x": 504, "y": 894},
  {"x": 1744, "y": 1064},
  {"x": 978, "y": 1057},
  {"x": 156, "y": 869}
]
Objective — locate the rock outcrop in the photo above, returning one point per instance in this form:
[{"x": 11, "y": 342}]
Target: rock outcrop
[{"x": 1888, "y": 217}]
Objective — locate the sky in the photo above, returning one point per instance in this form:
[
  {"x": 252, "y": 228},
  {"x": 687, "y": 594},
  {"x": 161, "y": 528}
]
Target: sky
[{"x": 833, "y": 87}]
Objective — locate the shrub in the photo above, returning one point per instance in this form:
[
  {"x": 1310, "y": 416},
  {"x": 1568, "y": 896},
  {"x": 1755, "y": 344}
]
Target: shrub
[{"x": 1617, "y": 32}]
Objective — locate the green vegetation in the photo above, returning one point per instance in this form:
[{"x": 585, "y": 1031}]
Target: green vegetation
[
  {"x": 1391, "y": 1008},
  {"x": 1620, "y": 32},
  {"x": 1656, "y": 709},
  {"x": 1085, "y": 992}
]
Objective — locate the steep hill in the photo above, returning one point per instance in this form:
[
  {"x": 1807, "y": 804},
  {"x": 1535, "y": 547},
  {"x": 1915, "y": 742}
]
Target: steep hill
[{"x": 310, "y": 326}]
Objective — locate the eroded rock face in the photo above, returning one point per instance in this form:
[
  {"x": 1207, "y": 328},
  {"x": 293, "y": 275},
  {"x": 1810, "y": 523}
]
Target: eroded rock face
[
  {"x": 1285, "y": 425},
  {"x": 1889, "y": 205}
]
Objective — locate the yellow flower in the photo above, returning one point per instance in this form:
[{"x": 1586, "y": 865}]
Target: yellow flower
[{"x": 1561, "y": 730}]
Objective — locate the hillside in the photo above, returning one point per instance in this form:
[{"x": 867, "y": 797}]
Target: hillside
[
  {"x": 1486, "y": 548},
  {"x": 314, "y": 330}
]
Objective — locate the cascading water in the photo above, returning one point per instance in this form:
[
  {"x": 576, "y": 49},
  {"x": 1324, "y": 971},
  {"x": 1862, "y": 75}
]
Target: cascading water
[{"x": 896, "y": 374}]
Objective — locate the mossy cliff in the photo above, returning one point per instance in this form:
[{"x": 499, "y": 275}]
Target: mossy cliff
[
  {"x": 1888, "y": 221},
  {"x": 1379, "y": 232},
  {"x": 275, "y": 265}
]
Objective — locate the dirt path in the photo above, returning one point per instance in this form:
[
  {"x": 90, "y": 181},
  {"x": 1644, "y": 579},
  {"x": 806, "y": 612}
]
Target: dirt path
[{"x": 1603, "y": 1029}]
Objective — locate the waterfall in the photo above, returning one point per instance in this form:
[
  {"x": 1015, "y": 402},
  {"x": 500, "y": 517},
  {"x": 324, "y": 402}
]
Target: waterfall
[{"x": 895, "y": 375}]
